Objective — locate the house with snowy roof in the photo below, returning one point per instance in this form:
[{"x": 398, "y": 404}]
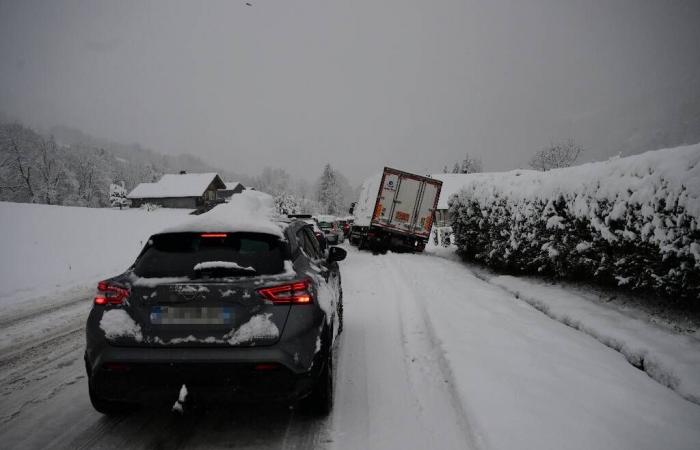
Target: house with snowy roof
[
  {"x": 232, "y": 188},
  {"x": 183, "y": 190}
]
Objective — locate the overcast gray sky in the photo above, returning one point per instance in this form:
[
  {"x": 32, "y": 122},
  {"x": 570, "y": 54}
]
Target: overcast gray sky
[{"x": 357, "y": 83}]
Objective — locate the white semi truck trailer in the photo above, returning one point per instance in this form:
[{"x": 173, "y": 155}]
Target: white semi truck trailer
[{"x": 395, "y": 211}]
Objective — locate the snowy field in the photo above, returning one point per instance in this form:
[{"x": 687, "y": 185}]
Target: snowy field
[
  {"x": 431, "y": 357},
  {"x": 49, "y": 248}
]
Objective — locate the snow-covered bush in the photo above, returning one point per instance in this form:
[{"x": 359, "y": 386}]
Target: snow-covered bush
[
  {"x": 150, "y": 206},
  {"x": 630, "y": 221},
  {"x": 287, "y": 204},
  {"x": 117, "y": 196}
]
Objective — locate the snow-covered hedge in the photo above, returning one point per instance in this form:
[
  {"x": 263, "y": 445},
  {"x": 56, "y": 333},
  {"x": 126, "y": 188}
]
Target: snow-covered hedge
[{"x": 631, "y": 221}]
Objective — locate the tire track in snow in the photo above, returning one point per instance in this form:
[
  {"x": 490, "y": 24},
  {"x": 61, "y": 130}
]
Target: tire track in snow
[
  {"x": 407, "y": 405},
  {"x": 423, "y": 348}
]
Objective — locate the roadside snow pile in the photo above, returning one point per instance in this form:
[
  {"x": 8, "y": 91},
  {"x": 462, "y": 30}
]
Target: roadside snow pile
[
  {"x": 250, "y": 211},
  {"x": 669, "y": 358},
  {"x": 630, "y": 221},
  {"x": 117, "y": 323},
  {"x": 48, "y": 248}
]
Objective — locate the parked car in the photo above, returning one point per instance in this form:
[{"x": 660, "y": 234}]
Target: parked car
[
  {"x": 345, "y": 224},
  {"x": 331, "y": 229},
  {"x": 320, "y": 235},
  {"x": 230, "y": 314},
  {"x": 318, "y": 232}
]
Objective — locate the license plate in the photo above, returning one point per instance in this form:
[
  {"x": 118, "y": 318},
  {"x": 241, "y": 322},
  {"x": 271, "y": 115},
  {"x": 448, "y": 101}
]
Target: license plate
[{"x": 174, "y": 315}]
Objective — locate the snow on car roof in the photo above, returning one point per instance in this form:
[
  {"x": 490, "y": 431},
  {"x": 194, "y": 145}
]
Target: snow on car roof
[
  {"x": 248, "y": 212},
  {"x": 175, "y": 185}
]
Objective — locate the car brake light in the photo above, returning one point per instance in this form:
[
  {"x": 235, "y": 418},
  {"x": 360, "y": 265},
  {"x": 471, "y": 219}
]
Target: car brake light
[
  {"x": 298, "y": 293},
  {"x": 110, "y": 294},
  {"x": 213, "y": 235},
  {"x": 266, "y": 366},
  {"x": 117, "y": 367}
]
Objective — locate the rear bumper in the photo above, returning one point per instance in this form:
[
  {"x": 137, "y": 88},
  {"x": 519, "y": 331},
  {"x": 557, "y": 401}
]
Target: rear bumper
[{"x": 149, "y": 383}]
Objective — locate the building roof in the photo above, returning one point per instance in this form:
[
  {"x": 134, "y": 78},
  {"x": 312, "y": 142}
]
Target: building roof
[
  {"x": 176, "y": 185},
  {"x": 451, "y": 184},
  {"x": 231, "y": 185}
]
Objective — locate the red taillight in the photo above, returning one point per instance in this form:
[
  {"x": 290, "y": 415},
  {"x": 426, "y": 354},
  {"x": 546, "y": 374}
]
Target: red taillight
[
  {"x": 298, "y": 293},
  {"x": 117, "y": 367},
  {"x": 110, "y": 294},
  {"x": 214, "y": 235},
  {"x": 266, "y": 366}
]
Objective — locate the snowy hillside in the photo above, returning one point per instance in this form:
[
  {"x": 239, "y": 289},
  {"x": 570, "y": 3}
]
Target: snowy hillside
[{"x": 632, "y": 221}]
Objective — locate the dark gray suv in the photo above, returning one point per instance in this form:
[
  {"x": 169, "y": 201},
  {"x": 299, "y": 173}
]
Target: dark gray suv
[{"x": 232, "y": 315}]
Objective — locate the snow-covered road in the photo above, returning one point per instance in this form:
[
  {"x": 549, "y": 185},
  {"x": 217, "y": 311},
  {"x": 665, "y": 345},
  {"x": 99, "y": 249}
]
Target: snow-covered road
[{"x": 431, "y": 357}]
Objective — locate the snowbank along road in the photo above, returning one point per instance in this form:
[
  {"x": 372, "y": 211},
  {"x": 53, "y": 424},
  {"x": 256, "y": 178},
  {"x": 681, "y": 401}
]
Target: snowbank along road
[{"x": 431, "y": 357}]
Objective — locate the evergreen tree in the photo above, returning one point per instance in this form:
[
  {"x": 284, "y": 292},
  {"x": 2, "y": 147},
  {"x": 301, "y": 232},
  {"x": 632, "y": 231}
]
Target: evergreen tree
[{"x": 329, "y": 193}]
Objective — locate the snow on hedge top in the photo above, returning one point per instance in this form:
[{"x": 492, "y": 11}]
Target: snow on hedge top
[
  {"x": 175, "y": 185},
  {"x": 249, "y": 211},
  {"x": 670, "y": 174},
  {"x": 451, "y": 184}
]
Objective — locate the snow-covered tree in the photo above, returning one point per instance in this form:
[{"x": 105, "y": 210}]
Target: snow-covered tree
[
  {"x": 556, "y": 155},
  {"x": 329, "y": 192},
  {"x": 287, "y": 204},
  {"x": 117, "y": 195}
]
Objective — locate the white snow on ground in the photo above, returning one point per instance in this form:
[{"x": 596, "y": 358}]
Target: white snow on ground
[
  {"x": 669, "y": 358},
  {"x": 249, "y": 211},
  {"x": 117, "y": 323},
  {"x": 49, "y": 248},
  {"x": 431, "y": 357},
  {"x": 258, "y": 327},
  {"x": 527, "y": 381}
]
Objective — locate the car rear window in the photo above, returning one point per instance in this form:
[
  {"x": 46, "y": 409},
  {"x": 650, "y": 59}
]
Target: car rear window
[
  {"x": 324, "y": 225},
  {"x": 176, "y": 254}
]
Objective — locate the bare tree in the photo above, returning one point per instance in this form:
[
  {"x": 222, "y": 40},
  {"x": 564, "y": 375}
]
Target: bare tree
[
  {"x": 52, "y": 172},
  {"x": 18, "y": 148},
  {"x": 556, "y": 155}
]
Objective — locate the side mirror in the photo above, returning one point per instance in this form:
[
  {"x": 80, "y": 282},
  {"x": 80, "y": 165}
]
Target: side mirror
[{"x": 336, "y": 254}]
